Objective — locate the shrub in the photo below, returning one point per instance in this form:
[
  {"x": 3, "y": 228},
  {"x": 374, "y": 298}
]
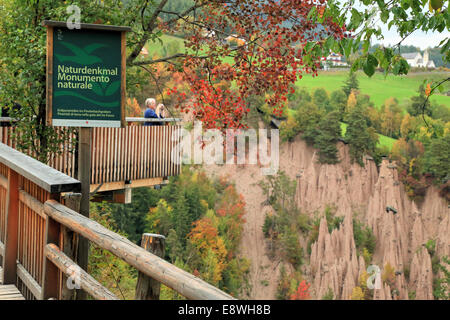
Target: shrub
[
  {"x": 329, "y": 295},
  {"x": 364, "y": 237},
  {"x": 357, "y": 294},
  {"x": 388, "y": 275}
]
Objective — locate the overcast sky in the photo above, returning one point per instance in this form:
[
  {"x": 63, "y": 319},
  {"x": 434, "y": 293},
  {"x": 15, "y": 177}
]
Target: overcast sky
[{"x": 418, "y": 38}]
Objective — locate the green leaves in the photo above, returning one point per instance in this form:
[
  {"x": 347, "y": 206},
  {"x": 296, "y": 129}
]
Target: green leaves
[
  {"x": 400, "y": 67},
  {"x": 356, "y": 19},
  {"x": 384, "y": 16},
  {"x": 370, "y": 64}
]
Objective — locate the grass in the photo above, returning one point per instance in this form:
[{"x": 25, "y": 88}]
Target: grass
[{"x": 377, "y": 87}]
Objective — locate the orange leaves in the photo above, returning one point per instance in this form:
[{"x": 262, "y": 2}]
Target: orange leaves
[
  {"x": 302, "y": 292},
  {"x": 133, "y": 109},
  {"x": 428, "y": 90},
  {"x": 261, "y": 59}
]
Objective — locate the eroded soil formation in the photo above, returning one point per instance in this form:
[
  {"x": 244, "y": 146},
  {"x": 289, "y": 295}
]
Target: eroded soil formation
[{"x": 364, "y": 192}]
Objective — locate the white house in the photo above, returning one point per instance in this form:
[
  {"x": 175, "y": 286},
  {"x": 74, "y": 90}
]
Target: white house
[
  {"x": 416, "y": 60},
  {"x": 333, "y": 60}
]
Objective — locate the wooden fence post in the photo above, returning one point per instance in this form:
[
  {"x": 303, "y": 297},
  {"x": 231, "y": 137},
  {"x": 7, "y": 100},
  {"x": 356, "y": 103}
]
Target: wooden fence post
[
  {"x": 70, "y": 243},
  {"x": 84, "y": 175},
  {"x": 50, "y": 285},
  {"x": 11, "y": 239},
  {"x": 148, "y": 288}
]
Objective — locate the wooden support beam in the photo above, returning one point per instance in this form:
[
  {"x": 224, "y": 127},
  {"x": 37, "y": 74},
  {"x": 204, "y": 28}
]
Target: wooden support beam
[
  {"x": 29, "y": 281},
  {"x": 32, "y": 203},
  {"x": 120, "y": 185},
  {"x": 84, "y": 175},
  {"x": 166, "y": 273},
  {"x": 12, "y": 218},
  {"x": 70, "y": 243},
  {"x": 148, "y": 288},
  {"x": 50, "y": 285},
  {"x": 71, "y": 269},
  {"x": 3, "y": 182}
]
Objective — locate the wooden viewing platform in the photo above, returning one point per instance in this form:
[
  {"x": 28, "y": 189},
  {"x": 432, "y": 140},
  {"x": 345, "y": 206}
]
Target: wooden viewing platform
[
  {"x": 9, "y": 292},
  {"x": 39, "y": 235},
  {"x": 121, "y": 158}
]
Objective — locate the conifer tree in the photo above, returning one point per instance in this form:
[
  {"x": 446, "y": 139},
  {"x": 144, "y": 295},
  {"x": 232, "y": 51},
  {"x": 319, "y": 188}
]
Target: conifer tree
[
  {"x": 325, "y": 141},
  {"x": 362, "y": 141},
  {"x": 350, "y": 84}
]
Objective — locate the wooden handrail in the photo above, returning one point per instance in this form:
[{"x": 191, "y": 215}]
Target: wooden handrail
[
  {"x": 127, "y": 119},
  {"x": 181, "y": 281},
  {"x": 42, "y": 175},
  {"x": 33, "y": 227},
  {"x": 139, "y": 119},
  {"x": 71, "y": 269}
]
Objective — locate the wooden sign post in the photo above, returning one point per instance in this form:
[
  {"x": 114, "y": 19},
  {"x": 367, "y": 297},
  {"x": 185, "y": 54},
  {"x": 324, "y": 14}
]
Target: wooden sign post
[{"x": 86, "y": 81}]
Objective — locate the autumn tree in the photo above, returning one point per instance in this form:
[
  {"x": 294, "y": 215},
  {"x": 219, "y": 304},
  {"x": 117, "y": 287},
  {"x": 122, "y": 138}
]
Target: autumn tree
[{"x": 302, "y": 292}]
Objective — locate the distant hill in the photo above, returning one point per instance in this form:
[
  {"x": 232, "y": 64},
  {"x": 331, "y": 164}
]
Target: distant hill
[{"x": 435, "y": 54}]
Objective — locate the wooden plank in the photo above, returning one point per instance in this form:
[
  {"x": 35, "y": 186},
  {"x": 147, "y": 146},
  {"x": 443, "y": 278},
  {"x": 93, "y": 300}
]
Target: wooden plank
[
  {"x": 84, "y": 168},
  {"x": 139, "y": 119},
  {"x": 49, "y": 79},
  {"x": 83, "y": 26},
  {"x": 123, "y": 76},
  {"x": 29, "y": 281},
  {"x": 32, "y": 203},
  {"x": 50, "y": 286},
  {"x": 70, "y": 269},
  {"x": 146, "y": 262},
  {"x": 70, "y": 243},
  {"x": 3, "y": 182},
  {"x": 12, "y": 219},
  {"x": 120, "y": 185},
  {"x": 44, "y": 176}
]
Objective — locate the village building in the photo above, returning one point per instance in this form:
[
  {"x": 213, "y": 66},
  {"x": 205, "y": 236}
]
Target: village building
[{"x": 416, "y": 60}]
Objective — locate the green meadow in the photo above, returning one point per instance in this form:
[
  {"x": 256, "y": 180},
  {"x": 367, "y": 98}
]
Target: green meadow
[
  {"x": 383, "y": 141},
  {"x": 378, "y": 87}
]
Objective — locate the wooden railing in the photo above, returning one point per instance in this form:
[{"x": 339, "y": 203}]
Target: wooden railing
[
  {"x": 141, "y": 155},
  {"x": 36, "y": 228}
]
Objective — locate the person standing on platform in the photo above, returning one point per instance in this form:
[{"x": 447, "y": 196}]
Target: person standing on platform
[{"x": 149, "y": 112}]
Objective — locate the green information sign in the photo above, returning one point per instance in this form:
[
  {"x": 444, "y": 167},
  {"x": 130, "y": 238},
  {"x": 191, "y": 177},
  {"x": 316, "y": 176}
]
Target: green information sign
[{"x": 86, "y": 82}]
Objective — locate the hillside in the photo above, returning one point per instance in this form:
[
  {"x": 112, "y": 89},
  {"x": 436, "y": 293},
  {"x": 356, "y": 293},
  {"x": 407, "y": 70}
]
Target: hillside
[{"x": 335, "y": 260}]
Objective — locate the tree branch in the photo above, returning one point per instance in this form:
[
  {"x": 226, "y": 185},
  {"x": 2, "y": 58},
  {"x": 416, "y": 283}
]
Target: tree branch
[{"x": 150, "y": 26}]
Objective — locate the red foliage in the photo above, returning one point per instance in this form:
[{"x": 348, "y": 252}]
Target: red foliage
[
  {"x": 268, "y": 58},
  {"x": 302, "y": 292}
]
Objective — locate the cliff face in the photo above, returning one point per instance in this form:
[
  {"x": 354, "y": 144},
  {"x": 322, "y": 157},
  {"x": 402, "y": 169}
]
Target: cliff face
[{"x": 353, "y": 190}]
